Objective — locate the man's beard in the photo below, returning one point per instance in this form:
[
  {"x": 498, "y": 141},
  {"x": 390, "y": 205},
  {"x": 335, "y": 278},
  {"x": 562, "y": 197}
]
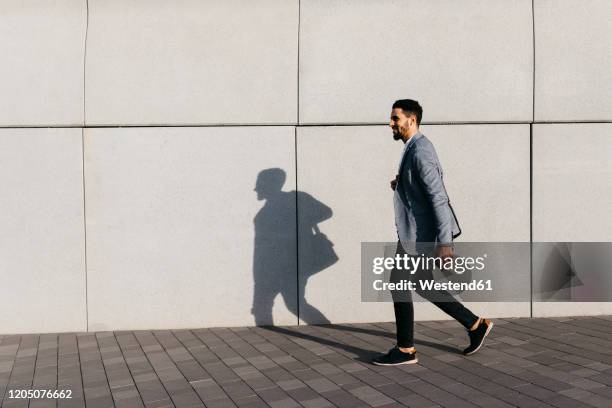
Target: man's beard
[{"x": 397, "y": 136}]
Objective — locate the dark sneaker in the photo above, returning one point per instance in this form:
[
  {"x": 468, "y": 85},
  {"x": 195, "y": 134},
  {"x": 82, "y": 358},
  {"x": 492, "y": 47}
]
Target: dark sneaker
[
  {"x": 396, "y": 357},
  {"x": 477, "y": 336}
]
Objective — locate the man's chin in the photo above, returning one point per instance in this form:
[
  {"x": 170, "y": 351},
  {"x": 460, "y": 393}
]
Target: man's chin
[{"x": 396, "y": 136}]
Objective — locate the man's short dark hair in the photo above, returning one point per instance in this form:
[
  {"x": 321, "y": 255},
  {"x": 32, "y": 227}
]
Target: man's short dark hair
[{"x": 410, "y": 106}]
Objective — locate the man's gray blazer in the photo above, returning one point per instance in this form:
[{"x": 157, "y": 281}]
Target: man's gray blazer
[{"x": 423, "y": 213}]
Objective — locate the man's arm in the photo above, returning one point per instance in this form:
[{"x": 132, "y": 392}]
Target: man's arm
[{"x": 431, "y": 180}]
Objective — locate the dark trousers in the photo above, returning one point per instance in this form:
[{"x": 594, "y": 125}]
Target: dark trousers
[{"x": 403, "y": 306}]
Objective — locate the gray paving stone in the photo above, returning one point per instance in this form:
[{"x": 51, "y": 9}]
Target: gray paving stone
[
  {"x": 371, "y": 396},
  {"x": 284, "y": 403},
  {"x": 417, "y": 401},
  {"x": 291, "y": 384},
  {"x": 602, "y": 378},
  {"x": 321, "y": 385},
  {"x": 318, "y": 402},
  {"x": 220, "y": 403},
  {"x": 586, "y": 384},
  {"x": 559, "y": 362}
]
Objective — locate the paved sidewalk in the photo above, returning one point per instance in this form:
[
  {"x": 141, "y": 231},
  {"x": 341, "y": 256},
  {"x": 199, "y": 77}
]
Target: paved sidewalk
[{"x": 560, "y": 362}]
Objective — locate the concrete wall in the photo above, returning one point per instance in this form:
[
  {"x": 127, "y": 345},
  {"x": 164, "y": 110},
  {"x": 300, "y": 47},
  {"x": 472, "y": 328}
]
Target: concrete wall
[
  {"x": 192, "y": 62},
  {"x": 42, "y": 245},
  {"x": 487, "y": 172},
  {"x": 572, "y": 181},
  {"x": 574, "y": 60},
  {"x": 354, "y": 59},
  {"x": 42, "y": 44},
  {"x": 571, "y": 170},
  {"x": 187, "y": 229},
  {"x": 194, "y": 146}
]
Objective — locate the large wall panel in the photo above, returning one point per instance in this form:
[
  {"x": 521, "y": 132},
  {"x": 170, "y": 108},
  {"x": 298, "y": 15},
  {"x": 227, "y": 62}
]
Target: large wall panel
[
  {"x": 572, "y": 197},
  {"x": 572, "y": 182},
  {"x": 42, "y": 244},
  {"x": 334, "y": 171},
  {"x": 486, "y": 172},
  {"x": 464, "y": 61},
  {"x": 185, "y": 224},
  {"x": 348, "y": 170},
  {"x": 42, "y": 44},
  {"x": 573, "y": 44},
  {"x": 192, "y": 62}
]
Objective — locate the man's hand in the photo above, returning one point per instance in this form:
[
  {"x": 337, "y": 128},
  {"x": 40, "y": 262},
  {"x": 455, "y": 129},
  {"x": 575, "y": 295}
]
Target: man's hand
[
  {"x": 445, "y": 252},
  {"x": 394, "y": 183}
]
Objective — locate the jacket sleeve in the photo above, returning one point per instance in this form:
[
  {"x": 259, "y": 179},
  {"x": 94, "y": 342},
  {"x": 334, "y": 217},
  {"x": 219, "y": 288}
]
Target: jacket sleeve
[{"x": 431, "y": 181}]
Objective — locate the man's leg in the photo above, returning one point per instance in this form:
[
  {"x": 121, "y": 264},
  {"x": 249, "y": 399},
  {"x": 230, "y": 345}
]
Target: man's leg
[
  {"x": 404, "y": 353},
  {"x": 402, "y": 306},
  {"x": 477, "y": 328},
  {"x": 404, "y": 319},
  {"x": 445, "y": 301}
]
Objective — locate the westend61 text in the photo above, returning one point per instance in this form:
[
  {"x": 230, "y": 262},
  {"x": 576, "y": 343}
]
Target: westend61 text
[{"x": 425, "y": 285}]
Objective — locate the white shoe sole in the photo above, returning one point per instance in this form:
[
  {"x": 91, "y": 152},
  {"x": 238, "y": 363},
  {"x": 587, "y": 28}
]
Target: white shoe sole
[
  {"x": 416, "y": 360},
  {"x": 482, "y": 342}
]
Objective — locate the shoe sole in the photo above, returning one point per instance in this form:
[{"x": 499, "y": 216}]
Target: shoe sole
[
  {"x": 482, "y": 342},
  {"x": 416, "y": 360}
]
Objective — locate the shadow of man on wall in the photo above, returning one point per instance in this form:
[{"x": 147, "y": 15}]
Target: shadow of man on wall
[{"x": 275, "y": 257}]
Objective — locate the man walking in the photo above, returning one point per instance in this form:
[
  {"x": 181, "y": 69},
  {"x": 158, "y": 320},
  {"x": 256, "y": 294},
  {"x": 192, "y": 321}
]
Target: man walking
[{"x": 426, "y": 224}]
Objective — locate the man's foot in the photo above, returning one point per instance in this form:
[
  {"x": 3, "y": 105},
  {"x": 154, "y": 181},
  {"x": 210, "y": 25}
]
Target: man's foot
[
  {"x": 396, "y": 357},
  {"x": 477, "y": 336}
]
